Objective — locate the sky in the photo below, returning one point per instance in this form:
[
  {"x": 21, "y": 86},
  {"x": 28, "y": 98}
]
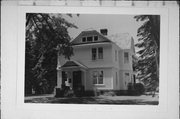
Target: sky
[{"x": 114, "y": 24}]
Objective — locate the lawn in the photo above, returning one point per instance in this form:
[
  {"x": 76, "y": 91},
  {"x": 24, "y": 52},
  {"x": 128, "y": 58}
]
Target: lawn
[{"x": 126, "y": 100}]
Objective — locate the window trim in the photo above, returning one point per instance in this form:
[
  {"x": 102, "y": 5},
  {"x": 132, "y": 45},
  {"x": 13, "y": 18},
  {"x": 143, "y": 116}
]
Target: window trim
[
  {"x": 93, "y": 59},
  {"x": 98, "y": 77},
  {"x": 85, "y": 40},
  {"x": 94, "y": 38},
  {"x": 117, "y": 82},
  {"x": 116, "y": 57},
  {"x": 97, "y": 54},
  {"x": 126, "y": 61},
  {"x": 89, "y": 37},
  {"x": 100, "y": 55}
]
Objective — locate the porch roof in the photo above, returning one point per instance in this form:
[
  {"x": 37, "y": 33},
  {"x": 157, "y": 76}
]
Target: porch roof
[{"x": 73, "y": 64}]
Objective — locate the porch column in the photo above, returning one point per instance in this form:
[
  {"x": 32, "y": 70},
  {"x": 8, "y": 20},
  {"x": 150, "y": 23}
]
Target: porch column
[{"x": 59, "y": 78}]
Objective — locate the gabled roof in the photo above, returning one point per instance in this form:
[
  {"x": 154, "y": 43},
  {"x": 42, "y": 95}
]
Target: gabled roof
[
  {"x": 91, "y": 32},
  {"x": 123, "y": 40},
  {"x": 73, "y": 63}
]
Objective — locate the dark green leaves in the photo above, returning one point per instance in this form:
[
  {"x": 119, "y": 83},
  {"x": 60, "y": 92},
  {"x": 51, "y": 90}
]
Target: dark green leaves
[
  {"x": 148, "y": 45},
  {"x": 44, "y": 33}
]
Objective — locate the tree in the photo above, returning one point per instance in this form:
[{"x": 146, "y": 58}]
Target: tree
[
  {"x": 149, "y": 45},
  {"x": 46, "y": 35}
]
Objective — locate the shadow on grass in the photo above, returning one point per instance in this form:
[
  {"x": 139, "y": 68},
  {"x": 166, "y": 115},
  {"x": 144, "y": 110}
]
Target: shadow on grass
[{"x": 91, "y": 100}]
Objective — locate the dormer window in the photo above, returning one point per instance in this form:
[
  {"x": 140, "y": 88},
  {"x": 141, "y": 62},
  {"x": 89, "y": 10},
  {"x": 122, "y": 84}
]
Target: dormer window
[
  {"x": 84, "y": 39},
  {"x": 95, "y": 38},
  {"x": 89, "y": 39}
]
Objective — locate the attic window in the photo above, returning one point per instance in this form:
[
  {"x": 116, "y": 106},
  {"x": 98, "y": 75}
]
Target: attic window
[
  {"x": 89, "y": 39},
  {"x": 95, "y": 38},
  {"x": 84, "y": 39}
]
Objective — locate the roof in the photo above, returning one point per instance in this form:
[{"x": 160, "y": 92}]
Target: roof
[
  {"x": 90, "y": 32},
  {"x": 123, "y": 40},
  {"x": 73, "y": 63}
]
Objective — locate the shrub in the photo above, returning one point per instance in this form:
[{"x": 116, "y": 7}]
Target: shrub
[
  {"x": 131, "y": 90},
  {"x": 89, "y": 93},
  {"x": 59, "y": 92},
  {"x": 139, "y": 87},
  {"x": 110, "y": 93},
  {"x": 79, "y": 92}
]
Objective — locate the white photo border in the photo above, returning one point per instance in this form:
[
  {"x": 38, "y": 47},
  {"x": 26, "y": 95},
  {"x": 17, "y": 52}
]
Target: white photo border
[{"x": 120, "y": 110}]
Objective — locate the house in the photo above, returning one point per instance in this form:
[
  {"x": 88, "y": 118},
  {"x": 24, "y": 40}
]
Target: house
[{"x": 99, "y": 62}]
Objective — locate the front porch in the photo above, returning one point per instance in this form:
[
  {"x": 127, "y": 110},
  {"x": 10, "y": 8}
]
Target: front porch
[{"x": 71, "y": 77}]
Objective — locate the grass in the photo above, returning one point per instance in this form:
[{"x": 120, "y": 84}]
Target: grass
[{"x": 126, "y": 100}]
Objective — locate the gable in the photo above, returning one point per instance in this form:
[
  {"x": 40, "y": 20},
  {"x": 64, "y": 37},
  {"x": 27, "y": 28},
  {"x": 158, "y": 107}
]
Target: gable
[
  {"x": 123, "y": 40},
  {"x": 86, "y": 37}
]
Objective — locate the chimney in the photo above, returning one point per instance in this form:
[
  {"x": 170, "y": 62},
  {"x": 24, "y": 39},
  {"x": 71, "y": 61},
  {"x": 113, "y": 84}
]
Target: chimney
[{"x": 104, "y": 32}]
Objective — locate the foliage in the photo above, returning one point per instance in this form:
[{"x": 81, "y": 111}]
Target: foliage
[
  {"x": 109, "y": 93},
  {"x": 149, "y": 45},
  {"x": 46, "y": 35},
  {"x": 139, "y": 88}
]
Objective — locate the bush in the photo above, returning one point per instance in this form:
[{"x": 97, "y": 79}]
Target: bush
[
  {"x": 59, "y": 92},
  {"x": 89, "y": 93},
  {"x": 79, "y": 92},
  {"x": 139, "y": 87},
  {"x": 110, "y": 93},
  {"x": 131, "y": 90}
]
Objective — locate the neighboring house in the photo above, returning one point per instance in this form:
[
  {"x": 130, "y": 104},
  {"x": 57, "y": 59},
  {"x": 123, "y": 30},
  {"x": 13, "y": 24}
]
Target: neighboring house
[{"x": 99, "y": 62}]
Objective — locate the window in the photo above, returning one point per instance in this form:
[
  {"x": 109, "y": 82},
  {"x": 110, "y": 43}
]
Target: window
[
  {"x": 100, "y": 53},
  {"x": 95, "y": 38},
  {"x": 127, "y": 74},
  {"x": 127, "y": 77},
  {"x": 115, "y": 55},
  {"x": 97, "y": 53},
  {"x": 93, "y": 53},
  {"x": 126, "y": 57},
  {"x": 89, "y": 39},
  {"x": 98, "y": 77},
  {"x": 84, "y": 39},
  {"x": 116, "y": 79},
  {"x": 95, "y": 77}
]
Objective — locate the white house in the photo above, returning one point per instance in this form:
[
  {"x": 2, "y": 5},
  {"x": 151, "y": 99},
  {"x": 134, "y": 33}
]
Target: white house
[{"x": 99, "y": 62}]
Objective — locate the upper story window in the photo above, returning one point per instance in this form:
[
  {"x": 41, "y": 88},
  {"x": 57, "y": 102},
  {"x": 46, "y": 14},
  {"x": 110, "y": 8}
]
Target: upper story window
[
  {"x": 94, "y": 54},
  {"x": 100, "y": 53},
  {"x": 89, "y": 39},
  {"x": 98, "y": 77},
  {"x": 84, "y": 39},
  {"x": 116, "y": 79},
  {"x": 126, "y": 57},
  {"x": 97, "y": 53},
  {"x": 115, "y": 55}
]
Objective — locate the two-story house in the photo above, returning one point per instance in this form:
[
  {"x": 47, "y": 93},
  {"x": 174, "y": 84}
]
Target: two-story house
[{"x": 99, "y": 61}]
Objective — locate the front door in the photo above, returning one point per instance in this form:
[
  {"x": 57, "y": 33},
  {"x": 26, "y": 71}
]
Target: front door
[{"x": 76, "y": 79}]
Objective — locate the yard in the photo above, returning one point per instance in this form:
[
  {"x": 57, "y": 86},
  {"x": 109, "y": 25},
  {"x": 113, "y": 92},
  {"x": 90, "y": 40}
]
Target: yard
[{"x": 126, "y": 100}]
